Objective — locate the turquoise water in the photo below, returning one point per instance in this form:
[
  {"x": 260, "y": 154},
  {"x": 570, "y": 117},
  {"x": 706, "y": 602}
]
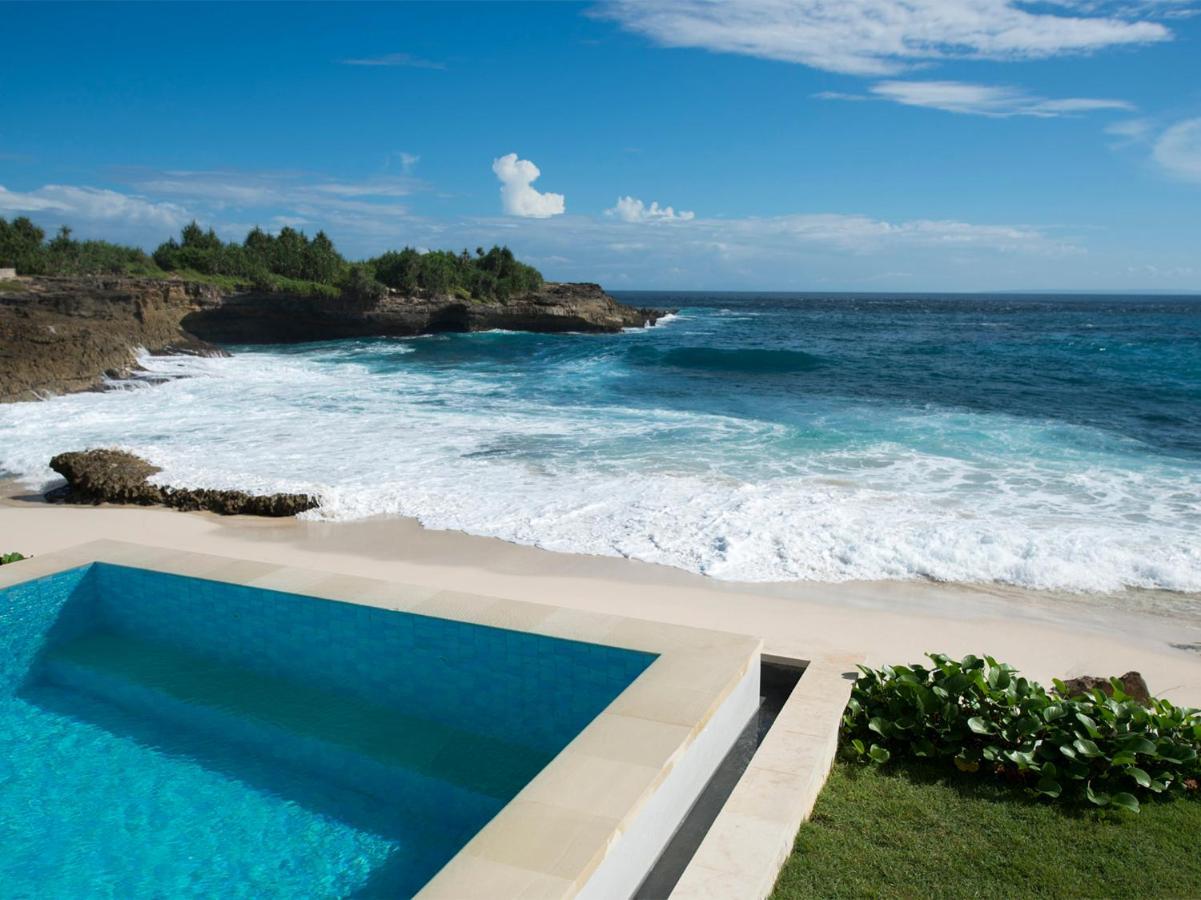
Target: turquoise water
[
  {"x": 1049, "y": 442},
  {"x": 166, "y": 736}
]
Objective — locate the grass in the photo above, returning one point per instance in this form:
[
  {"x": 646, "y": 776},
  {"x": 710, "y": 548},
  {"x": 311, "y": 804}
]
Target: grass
[
  {"x": 233, "y": 283},
  {"x": 224, "y": 282},
  {"x": 925, "y": 833}
]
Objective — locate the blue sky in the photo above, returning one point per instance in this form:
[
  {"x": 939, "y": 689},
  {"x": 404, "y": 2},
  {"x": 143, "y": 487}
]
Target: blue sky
[{"x": 864, "y": 145}]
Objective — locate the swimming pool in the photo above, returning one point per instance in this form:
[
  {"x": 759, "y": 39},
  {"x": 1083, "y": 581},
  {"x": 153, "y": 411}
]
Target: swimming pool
[{"x": 165, "y": 734}]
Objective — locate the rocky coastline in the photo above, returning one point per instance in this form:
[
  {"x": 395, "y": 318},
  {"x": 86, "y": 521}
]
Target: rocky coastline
[{"x": 65, "y": 334}]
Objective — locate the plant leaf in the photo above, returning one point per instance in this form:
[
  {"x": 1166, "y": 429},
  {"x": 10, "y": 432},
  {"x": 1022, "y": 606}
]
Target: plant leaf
[
  {"x": 1124, "y": 801},
  {"x": 1086, "y": 747},
  {"x": 1049, "y": 787},
  {"x": 1143, "y": 779}
]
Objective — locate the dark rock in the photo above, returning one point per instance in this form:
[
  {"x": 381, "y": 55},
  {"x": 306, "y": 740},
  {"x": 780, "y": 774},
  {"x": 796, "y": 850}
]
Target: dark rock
[
  {"x": 1133, "y": 685},
  {"x": 67, "y": 334},
  {"x": 115, "y": 476},
  {"x": 107, "y": 476},
  {"x": 237, "y": 503}
]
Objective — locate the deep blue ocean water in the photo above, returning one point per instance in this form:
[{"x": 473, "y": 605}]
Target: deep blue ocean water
[
  {"x": 165, "y": 737},
  {"x": 1044, "y": 441}
]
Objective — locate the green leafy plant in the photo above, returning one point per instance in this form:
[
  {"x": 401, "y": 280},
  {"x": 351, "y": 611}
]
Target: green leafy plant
[
  {"x": 6, "y": 558},
  {"x": 981, "y": 716}
]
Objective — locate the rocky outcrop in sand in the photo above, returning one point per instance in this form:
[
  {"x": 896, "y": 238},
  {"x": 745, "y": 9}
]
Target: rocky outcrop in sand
[
  {"x": 68, "y": 334},
  {"x": 115, "y": 476}
]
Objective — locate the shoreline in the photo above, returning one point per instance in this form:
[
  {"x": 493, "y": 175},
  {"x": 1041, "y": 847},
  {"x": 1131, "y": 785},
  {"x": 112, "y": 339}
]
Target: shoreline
[{"x": 1043, "y": 634}]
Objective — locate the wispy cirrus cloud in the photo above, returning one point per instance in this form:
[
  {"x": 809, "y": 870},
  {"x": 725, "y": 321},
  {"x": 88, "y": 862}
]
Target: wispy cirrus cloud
[
  {"x": 1178, "y": 150},
  {"x": 997, "y": 101},
  {"x": 766, "y": 252},
  {"x": 279, "y": 190},
  {"x": 882, "y": 37},
  {"x": 775, "y": 252},
  {"x": 400, "y": 60},
  {"x": 73, "y": 203}
]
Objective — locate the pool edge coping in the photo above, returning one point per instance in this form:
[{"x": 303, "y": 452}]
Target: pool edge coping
[
  {"x": 749, "y": 842},
  {"x": 539, "y": 844}
]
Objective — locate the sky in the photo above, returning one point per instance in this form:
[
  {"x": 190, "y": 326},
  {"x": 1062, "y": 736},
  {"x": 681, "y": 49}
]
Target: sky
[{"x": 930, "y": 145}]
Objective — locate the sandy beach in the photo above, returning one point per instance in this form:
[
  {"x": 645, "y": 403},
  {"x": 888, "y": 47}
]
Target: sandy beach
[{"x": 1045, "y": 635}]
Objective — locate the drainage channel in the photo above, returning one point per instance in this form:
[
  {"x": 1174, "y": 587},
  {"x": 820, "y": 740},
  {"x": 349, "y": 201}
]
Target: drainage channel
[{"x": 776, "y": 681}]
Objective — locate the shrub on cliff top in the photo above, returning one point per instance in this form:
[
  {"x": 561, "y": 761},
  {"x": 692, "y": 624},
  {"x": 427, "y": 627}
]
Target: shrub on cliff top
[
  {"x": 980, "y": 716},
  {"x": 289, "y": 261},
  {"x": 23, "y": 246},
  {"x": 6, "y": 558}
]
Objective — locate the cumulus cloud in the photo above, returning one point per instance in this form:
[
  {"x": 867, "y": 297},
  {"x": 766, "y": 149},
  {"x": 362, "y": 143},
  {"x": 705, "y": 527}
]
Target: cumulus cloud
[
  {"x": 518, "y": 196},
  {"x": 93, "y": 204},
  {"x": 1178, "y": 150},
  {"x": 882, "y": 37},
  {"x": 631, "y": 209},
  {"x": 986, "y": 99}
]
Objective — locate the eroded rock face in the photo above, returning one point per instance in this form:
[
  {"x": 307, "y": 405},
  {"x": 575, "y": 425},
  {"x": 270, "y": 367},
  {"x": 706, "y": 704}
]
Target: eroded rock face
[
  {"x": 66, "y": 334},
  {"x": 280, "y": 319},
  {"x": 115, "y": 476}
]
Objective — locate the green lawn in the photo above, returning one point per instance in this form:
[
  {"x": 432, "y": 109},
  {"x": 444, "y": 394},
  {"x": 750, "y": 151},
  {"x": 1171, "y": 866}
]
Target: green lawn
[{"x": 922, "y": 833}]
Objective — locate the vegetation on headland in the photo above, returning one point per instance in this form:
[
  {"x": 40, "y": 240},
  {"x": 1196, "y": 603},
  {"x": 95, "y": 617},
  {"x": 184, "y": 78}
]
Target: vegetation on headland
[
  {"x": 964, "y": 779},
  {"x": 287, "y": 261},
  {"x": 6, "y": 558}
]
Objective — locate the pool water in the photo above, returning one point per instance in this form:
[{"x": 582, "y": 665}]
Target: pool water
[{"x": 162, "y": 735}]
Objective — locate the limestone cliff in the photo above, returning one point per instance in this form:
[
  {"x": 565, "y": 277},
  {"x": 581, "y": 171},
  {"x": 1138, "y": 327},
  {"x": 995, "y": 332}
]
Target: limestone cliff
[{"x": 66, "y": 334}]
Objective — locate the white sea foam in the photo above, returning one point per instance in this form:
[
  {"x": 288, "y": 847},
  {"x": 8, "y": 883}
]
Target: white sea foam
[{"x": 459, "y": 452}]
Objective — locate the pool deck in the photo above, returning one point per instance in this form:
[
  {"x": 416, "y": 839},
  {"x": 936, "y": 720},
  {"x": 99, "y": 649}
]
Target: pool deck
[{"x": 566, "y": 824}]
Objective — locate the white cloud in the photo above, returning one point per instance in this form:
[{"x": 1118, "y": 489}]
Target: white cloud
[
  {"x": 408, "y": 161},
  {"x": 631, "y": 209},
  {"x": 406, "y": 60},
  {"x": 345, "y": 206},
  {"x": 880, "y": 37},
  {"x": 1178, "y": 150},
  {"x": 1130, "y": 130},
  {"x": 93, "y": 204},
  {"x": 804, "y": 250},
  {"x": 988, "y": 100},
  {"x": 517, "y": 194},
  {"x": 864, "y": 234}
]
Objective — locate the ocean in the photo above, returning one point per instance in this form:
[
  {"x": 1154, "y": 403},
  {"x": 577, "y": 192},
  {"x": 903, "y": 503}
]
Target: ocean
[{"x": 1039, "y": 441}]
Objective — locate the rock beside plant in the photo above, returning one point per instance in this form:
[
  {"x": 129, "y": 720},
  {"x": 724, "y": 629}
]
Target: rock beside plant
[
  {"x": 1133, "y": 684},
  {"x": 115, "y": 476}
]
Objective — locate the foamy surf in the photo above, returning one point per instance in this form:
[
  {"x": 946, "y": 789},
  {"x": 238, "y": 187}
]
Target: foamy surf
[{"x": 614, "y": 446}]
